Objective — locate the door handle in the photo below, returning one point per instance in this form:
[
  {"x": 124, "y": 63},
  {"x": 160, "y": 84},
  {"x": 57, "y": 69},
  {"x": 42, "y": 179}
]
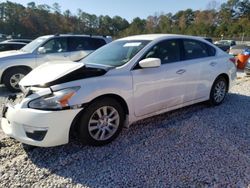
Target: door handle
[
  {"x": 213, "y": 64},
  {"x": 181, "y": 71}
]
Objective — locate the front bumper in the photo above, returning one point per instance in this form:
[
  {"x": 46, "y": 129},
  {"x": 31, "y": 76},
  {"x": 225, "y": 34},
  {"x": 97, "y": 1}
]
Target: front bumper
[{"x": 38, "y": 127}]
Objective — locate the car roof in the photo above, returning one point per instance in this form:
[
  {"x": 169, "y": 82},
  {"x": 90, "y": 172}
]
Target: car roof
[
  {"x": 10, "y": 42},
  {"x": 152, "y": 37},
  {"x": 19, "y": 40},
  {"x": 74, "y": 35},
  {"x": 226, "y": 40}
]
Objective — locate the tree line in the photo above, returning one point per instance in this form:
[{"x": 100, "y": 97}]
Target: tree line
[{"x": 230, "y": 19}]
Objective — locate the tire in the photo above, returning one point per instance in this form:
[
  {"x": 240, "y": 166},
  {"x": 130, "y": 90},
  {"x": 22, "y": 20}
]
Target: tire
[
  {"x": 12, "y": 78},
  {"x": 218, "y": 91},
  {"x": 98, "y": 128}
]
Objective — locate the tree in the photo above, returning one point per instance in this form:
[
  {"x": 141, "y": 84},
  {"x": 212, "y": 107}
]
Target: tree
[
  {"x": 31, "y": 5},
  {"x": 138, "y": 26},
  {"x": 165, "y": 24},
  {"x": 57, "y": 8},
  {"x": 231, "y": 19}
]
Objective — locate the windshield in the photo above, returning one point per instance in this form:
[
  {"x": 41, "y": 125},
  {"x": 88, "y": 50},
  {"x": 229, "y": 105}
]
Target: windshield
[
  {"x": 116, "y": 53},
  {"x": 34, "y": 44}
]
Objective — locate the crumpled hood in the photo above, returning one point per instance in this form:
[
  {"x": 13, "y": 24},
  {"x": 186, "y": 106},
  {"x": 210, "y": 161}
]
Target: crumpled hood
[
  {"x": 55, "y": 72},
  {"x": 13, "y": 54}
]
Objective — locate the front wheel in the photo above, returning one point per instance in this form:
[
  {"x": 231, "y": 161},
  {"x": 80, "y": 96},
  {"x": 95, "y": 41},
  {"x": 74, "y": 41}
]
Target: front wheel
[
  {"x": 218, "y": 91},
  {"x": 101, "y": 122}
]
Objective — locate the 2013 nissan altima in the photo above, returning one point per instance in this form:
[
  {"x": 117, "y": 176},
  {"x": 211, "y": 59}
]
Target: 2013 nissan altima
[{"x": 127, "y": 80}]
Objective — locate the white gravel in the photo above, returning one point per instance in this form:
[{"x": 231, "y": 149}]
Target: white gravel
[
  {"x": 3, "y": 94},
  {"x": 197, "y": 146}
]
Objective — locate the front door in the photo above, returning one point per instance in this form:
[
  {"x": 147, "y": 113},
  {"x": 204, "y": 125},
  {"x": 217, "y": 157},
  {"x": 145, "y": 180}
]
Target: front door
[{"x": 163, "y": 87}]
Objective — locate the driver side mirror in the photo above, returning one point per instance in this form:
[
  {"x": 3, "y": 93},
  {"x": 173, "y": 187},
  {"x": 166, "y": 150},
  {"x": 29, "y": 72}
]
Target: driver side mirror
[
  {"x": 41, "y": 50},
  {"x": 150, "y": 63}
]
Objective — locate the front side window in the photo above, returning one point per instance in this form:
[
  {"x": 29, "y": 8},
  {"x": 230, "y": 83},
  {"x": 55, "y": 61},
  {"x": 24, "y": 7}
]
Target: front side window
[
  {"x": 194, "y": 49},
  {"x": 168, "y": 51},
  {"x": 116, "y": 53},
  {"x": 56, "y": 45},
  {"x": 84, "y": 43},
  {"x": 78, "y": 43}
]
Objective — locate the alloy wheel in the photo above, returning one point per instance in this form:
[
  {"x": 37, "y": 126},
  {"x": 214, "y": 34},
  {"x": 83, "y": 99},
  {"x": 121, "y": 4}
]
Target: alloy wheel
[
  {"x": 15, "y": 79},
  {"x": 220, "y": 91},
  {"x": 104, "y": 123}
]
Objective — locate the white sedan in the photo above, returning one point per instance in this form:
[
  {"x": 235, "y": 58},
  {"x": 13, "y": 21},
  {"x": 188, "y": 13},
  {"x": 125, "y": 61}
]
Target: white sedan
[{"x": 127, "y": 80}]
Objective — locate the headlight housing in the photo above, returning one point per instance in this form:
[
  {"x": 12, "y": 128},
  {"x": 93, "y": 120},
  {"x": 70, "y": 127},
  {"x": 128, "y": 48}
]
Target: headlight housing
[{"x": 58, "y": 100}]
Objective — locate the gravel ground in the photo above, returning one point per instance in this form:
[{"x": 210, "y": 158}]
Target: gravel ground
[
  {"x": 3, "y": 94},
  {"x": 197, "y": 146}
]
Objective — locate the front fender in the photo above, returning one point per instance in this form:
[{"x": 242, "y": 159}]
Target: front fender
[{"x": 92, "y": 88}]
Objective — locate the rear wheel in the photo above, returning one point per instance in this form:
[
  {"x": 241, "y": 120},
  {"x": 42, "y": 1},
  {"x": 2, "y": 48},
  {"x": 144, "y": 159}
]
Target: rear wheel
[
  {"x": 101, "y": 122},
  {"x": 218, "y": 91},
  {"x": 12, "y": 78}
]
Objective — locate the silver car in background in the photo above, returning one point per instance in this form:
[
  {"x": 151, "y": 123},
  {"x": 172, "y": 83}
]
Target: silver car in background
[{"x": 14, "y": 65}]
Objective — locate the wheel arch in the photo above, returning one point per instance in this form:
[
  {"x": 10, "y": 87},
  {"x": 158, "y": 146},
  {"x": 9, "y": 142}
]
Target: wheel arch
[
  {"x": 14, "y": 67},
  {"x": 226, "y": 77},
  {"x": 118, "y": 98}
]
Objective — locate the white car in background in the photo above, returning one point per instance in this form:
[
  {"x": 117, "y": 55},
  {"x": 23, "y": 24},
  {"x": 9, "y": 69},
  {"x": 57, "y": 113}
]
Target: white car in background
[
  {"x": 14, "y": 65},
  {"x": 127, "y": 80}
]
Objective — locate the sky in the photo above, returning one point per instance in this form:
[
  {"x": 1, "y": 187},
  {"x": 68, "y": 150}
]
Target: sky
[{"x": 127, "y": 9}]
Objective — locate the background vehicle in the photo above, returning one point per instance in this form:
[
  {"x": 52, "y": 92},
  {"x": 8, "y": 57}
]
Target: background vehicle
[
  {"x": 6, "y": 46},
  {"x": 19, "y": 40},
  {"x": 237, "y": 49},
  {"x": 127, "y": 80},
  {"x": 247, "y": 68},
  {"x": 225, "y": 44},
  {"x": 208, "y": 39},
  {"x": 2, "y": 37},
  {"x": 14, "y": 65}
]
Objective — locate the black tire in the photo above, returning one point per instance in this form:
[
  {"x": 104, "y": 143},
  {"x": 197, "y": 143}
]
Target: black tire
[
  {"x": 84, "y": 132},
  {"x": 216, "y": 97},
  {"x": 9, "y": 74}
]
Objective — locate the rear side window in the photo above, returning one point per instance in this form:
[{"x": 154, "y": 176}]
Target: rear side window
[
  {"x": 195, "y": 49},
  {"x": 168, "y": 51},
  {"x": 211, "y": 50},
  {"x": 84, "y": 43}
]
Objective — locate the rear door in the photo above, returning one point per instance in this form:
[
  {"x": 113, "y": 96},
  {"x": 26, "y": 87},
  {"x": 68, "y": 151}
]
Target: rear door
[
  {"x": 199, "y": 64},
  {"x": 55, "y": 49},
  {"x": 79, "y": 47}
]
